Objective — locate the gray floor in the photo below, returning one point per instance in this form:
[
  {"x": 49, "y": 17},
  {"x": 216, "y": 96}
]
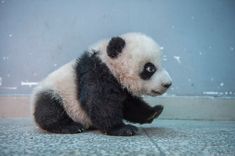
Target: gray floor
[{"x": 163, "y": 137}]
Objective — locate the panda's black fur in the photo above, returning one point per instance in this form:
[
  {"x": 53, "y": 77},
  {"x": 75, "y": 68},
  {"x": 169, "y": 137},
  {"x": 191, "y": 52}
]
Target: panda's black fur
[
  {"x": 51, "y": 116},
  {"x": 101, "y": 96}
]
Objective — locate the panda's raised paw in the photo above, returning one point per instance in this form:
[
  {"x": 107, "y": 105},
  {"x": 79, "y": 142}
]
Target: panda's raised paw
[
  {"x": 157, "y": 111},
  {"x": 125, "y": 130}
]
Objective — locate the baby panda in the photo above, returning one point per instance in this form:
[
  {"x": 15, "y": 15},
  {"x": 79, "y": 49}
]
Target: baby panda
[{"x": 103, "y": 87}]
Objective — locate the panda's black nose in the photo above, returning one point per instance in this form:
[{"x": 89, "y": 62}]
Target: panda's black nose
[{"x": 166, "y": 85}]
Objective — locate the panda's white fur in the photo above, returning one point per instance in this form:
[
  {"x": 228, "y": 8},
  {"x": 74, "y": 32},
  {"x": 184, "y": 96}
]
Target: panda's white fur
[
  {"x": 138, "y": 50},
  {"x": 62, "y": 82}
]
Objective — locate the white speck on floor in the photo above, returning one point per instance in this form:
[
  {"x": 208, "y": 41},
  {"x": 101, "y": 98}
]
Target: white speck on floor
[
  {"x": 0, "y": 81},
  {"x": 200, "y": 53},
  {"x": 55, "y": 65},
  {"x": 161, "y": 48},
  {"x": 2, "y": 2},
  {"x": 178, "y": 59},
  {"x": 10, "y": 35}
]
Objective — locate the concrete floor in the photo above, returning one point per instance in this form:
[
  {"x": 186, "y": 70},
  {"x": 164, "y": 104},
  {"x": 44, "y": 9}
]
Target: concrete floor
[{"x": 163, "y": 137}]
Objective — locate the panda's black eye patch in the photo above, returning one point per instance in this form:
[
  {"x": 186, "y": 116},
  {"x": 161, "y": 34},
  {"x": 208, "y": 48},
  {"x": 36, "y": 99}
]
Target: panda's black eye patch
[{"x": 148, "y": 71}]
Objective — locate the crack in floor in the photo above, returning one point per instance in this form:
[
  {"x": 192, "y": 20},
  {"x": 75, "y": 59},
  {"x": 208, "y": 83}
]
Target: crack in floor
[{"x": 155, "y": 144}]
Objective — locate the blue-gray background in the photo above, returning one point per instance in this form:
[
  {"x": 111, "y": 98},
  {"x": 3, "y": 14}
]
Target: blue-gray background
[{"x": 197, "y": 37}]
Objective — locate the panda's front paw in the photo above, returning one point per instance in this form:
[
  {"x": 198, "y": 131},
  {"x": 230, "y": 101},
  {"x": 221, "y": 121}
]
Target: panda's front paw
[
  {"x": 125, "y": 130},
  {"x": 157, "y": 111}
]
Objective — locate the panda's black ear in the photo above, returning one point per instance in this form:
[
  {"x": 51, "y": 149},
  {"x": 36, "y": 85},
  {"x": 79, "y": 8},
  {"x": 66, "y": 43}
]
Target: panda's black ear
[{"x": 115, "y": 46}]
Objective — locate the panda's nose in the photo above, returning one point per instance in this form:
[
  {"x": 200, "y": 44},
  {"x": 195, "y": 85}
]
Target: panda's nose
[{"x": 166, "y": 85}]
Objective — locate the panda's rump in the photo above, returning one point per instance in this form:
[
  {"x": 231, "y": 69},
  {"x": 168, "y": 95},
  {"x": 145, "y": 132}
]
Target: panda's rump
[
  {"x": 62, "y": 85},
  {"x": 48, "y": 112}
]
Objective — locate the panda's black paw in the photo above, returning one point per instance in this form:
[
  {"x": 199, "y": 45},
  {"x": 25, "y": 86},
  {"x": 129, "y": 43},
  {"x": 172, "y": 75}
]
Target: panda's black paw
[
  {"x": 125, "y": 130},
  {"x": 157, "y": 111}
]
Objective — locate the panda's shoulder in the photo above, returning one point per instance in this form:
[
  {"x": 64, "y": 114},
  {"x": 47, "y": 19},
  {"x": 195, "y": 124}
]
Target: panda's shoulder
[
  {"x": 90, "y": 66},
  {"x": 85, "y": 63}
]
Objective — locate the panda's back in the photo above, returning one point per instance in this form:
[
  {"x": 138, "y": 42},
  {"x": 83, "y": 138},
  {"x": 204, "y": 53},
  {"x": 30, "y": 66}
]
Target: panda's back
[{"x": 62, "y": 83}]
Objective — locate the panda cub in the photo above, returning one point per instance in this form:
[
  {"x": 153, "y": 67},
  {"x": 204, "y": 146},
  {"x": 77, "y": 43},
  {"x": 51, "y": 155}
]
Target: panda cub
[{"x": 103, "y": 87}]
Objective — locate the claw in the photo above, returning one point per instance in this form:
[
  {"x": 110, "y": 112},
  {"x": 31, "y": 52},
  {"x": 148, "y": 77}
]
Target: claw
[{"x": 81, "y": 130}]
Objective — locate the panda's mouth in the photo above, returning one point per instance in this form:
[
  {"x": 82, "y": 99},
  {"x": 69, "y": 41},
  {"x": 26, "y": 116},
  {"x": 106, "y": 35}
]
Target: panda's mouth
[{"x": 156, "y": 92}]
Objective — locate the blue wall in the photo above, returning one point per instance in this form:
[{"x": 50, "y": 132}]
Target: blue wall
[{"x": 198, "y": 37}]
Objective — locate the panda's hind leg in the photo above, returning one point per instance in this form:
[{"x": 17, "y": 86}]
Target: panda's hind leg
[{"x": 50, "y": 115}]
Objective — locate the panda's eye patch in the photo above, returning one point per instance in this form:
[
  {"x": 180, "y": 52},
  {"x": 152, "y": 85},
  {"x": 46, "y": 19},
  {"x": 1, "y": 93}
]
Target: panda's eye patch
[{"x": 148, "y": 71}]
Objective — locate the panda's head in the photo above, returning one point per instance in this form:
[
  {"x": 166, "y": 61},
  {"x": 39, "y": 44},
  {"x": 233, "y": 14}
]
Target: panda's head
[{"x": 135, "y": 60}]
